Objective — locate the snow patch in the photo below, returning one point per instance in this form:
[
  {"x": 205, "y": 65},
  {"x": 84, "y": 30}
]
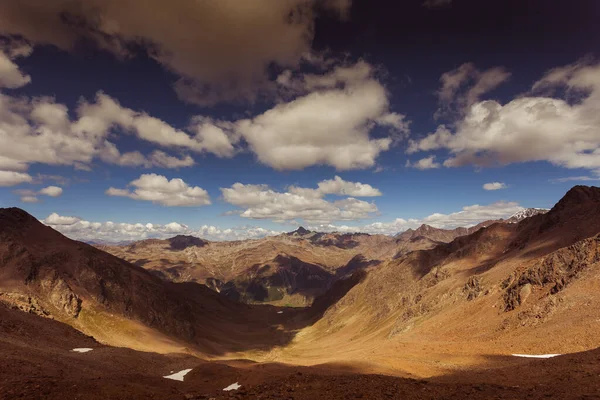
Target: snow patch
[
  {"x": 179, "y": 375},
  {"x": 536, "y": 355},
  {"x": 233, "y": 386},
  {"x": 82, "y": 349}
]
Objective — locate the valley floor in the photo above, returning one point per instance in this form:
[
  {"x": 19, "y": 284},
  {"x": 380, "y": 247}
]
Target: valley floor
[{"x": 38, "y": 363}]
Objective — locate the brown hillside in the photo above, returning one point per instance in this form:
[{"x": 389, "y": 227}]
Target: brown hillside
[
  {"x": 496, "y": 291},
  {"x": 43, "y": 272}
]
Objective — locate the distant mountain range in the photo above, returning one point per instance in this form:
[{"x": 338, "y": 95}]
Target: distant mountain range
[{"x": 291, "y": 268}]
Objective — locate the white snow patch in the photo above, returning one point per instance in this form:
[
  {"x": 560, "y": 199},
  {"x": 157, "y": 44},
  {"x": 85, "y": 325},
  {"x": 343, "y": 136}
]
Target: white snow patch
[
  {"x": 82, "y": 349},
  {"x": 179, "y": 375},
  {"x": 233, "y": 386},
  {"x": 536, "y": 355},
  {"x": 279, "y": 312}
]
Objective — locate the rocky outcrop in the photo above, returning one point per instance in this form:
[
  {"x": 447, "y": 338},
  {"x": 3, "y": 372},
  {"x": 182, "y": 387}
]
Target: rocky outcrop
[
  {"x": 62, "y": 296},
  {"x": 472, "y": 288},
  {"x": 554, "y": 272}
]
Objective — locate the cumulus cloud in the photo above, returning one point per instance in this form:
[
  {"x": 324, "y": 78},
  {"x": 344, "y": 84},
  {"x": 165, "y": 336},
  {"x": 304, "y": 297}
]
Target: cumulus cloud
[
  {"x": 11, "y": 178},
  {"x": 329, "y": 121},
  {"x": 55, "y": 219},
  {"x": 112, "y": 232},
  {"x": 31, "y": 196},
  {"x": 99, "y": 117},
  {"x": 160, "y": 190},
  {"x": 424, "y": 163},
  {"x": 340, "y": 187},
  {"x": 328, "y": 125},
  {"x": 220, "y": 50},
  {"x": 468, "y": 216},
  {"x": 465, "y": 85},
  {"x": 308, "y": 204},
  {"x": 52, "y": 191},
  {"x": 494, "y": 186},
  {"x": 529, "y": 128},
  {"x": 39, "y": 130}
]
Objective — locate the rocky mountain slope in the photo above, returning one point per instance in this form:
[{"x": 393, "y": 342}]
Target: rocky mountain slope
[
  {"x": 43, "y": 272},
  {"x": 427, "y": 237},
  {"x": 289, "y": 269},
  {"x": 438, "y": 234},
  {"x": 495, "y": 291}
]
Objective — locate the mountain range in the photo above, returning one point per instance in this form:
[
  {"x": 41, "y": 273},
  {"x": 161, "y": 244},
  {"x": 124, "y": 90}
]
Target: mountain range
[{"x": 288, "y": 269}]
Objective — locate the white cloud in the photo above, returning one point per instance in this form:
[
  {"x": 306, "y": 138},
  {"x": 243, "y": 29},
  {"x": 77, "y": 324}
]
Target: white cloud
[
  {"x": 109, "y": 231},
  {"x": 40, "y": 130},
  {"x": 52, "y": 191},
  {"x": 424, "y": 163},
  {"x": 464, "y": 86},
  {"x": 105, "y": 113},
  {"x": 329, "y": 125},
  {"x": 55, "y": 219},
  {"x": 216, "y": 136},
  {"x": 341, "y": 187},
  {"x": 329, "y": 122},
  {"x": 529, "y": 128},
  {"x": 29, "y": 199},
  {"x": 11, "y": 178},
  {"x": 10, "y": 75},
  {"x": 220, "y": 50},
  {"x": 494, "y": 186},
  {"x": 31, "y": 196},
  {"x": 468, "y": 216},
  {"x": 583, "y": 178},
  {"x": 261, "y": 202},
  {"x": 160, "y": 190}
]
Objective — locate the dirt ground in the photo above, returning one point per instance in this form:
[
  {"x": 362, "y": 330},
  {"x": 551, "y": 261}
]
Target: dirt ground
[{"x": 37, "y": 363}]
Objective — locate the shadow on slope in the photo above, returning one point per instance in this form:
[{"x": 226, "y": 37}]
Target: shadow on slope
[{"x": 37, "y": 363}]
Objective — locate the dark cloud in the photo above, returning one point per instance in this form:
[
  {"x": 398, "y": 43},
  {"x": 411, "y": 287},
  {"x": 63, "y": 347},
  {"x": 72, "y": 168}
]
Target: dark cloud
[{"x": 220, "y": 49}]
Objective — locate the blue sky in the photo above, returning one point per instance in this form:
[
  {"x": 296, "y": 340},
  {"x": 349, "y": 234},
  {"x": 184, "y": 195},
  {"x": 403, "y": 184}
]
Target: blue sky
[{"x": 414, "y": 107}]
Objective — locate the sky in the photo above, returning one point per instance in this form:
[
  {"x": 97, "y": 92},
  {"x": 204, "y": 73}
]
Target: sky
[{"x": 124, "y": 120}]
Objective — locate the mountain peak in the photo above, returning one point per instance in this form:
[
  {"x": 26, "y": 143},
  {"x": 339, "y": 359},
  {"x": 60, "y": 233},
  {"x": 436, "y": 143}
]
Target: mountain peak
[
  {"x": 17, "y": 222},
  {"x": 525, "y": 213},
  {"x": 300, "y": 231},
  {"x": 578, "y": 195},
  {"x": 181, "y": 242},
  {"x": 425, "y": 228},
  {"x": 13, "y": 215}
]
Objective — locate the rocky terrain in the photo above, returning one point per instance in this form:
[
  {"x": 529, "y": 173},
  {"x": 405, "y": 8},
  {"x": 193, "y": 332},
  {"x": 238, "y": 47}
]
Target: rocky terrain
[
  {"x": 289, "y": 269},
  {"x": 38, "y": 361},
  {"x": 45, "y": 273},
  {"x": 495, "y": 291}
]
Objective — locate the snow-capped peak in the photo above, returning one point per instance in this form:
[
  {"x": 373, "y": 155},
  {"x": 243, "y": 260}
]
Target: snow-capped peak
[{"x": 525, "y": 213}]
